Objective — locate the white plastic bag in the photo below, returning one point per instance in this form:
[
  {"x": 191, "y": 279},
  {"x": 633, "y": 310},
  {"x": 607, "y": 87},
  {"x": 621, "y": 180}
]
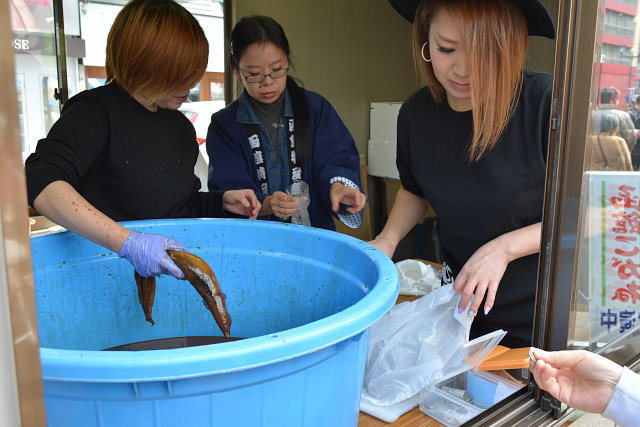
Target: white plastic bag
[
  {"x": 299, "y": 190},
  {"x": 411, "y": 343},
  {"x": 417, "y": 278}
]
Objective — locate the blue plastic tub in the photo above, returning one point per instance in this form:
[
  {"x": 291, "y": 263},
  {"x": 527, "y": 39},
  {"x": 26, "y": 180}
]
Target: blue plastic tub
[{"x": 303, "y": 298}]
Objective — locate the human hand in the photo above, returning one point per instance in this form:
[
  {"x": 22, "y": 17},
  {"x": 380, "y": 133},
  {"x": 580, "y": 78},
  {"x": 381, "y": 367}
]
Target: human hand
[
  {"x": 148, "y": 254},
  {"x": 385, "y": 244},
  {"x": 581, "y": 379},
  {"x": 283, "y": 205},
  {"x": 481, "y": 275},
  {"x": 340, "y": 193},
  {"x": 241, "y": 202}
]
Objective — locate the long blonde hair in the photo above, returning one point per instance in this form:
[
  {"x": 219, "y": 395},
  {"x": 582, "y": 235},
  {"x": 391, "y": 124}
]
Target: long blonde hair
[{"x": 495, "y": 38}]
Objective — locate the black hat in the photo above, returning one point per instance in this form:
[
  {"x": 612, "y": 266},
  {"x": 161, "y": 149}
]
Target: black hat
[{"x": 538, "y": 19}]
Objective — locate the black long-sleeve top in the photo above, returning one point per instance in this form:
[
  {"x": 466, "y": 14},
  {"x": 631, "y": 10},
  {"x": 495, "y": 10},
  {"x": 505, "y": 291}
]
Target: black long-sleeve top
[{"x": 128, "y": 162}]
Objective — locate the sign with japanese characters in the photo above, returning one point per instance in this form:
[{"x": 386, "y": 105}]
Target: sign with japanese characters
[{"x": 614, "y": 253}]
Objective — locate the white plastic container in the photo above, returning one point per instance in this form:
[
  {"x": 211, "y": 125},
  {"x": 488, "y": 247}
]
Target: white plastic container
[{"x": 462, "y": 392}]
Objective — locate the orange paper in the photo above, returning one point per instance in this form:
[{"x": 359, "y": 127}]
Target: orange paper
[{"x": 506, "y": 358}]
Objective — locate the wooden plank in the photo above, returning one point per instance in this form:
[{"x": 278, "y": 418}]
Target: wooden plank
[{"x": 413, "y": 418}]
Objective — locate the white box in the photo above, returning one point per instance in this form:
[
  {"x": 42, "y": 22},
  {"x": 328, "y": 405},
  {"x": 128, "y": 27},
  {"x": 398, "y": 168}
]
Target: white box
[
  {"x": 383, "y": 120},
  {"x": 381, "y": 156}
]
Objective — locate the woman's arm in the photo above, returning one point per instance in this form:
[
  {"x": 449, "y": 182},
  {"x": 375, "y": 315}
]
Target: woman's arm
[
  {"x": 335, "y": 156},
  {"x": 62, "y": 204},
  {"x": 407, "y": 210},
  {"x": 231, "y": 164},
  {"x": 483, "y": 271}
]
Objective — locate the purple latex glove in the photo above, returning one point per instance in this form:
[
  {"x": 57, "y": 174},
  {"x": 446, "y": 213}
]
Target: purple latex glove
[{"x": 148, "y": 254}]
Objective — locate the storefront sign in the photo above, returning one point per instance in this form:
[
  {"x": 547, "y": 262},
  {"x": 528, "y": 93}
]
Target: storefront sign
[
  {"x": 614, "y": 253},
  {"x": 42, "y": 43},
  {"x": 20, "y": 44}
]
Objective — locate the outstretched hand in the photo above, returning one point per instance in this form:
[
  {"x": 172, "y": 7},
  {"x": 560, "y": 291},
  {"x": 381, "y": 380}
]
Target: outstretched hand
[
  {"x": 352, "y": 197},
  {"x": 148, "y": 254},
  {"x": 581, "y": 379},
  {"x": 241, "y": 202}
]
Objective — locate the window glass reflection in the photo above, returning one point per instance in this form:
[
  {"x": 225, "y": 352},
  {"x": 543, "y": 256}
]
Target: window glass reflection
[
  {"x": 607, "y": 297},
  {"x": 86, "y": 26}
]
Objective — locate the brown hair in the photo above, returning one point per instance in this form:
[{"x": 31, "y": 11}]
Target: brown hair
[
  {"x": 156, "y": 47},
  {"x": 495, "y": 38}
]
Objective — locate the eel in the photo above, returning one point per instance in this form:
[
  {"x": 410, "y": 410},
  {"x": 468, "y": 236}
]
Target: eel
[
  {"x": 146, "y": 293},
  {"x": 201, "y": 278}
]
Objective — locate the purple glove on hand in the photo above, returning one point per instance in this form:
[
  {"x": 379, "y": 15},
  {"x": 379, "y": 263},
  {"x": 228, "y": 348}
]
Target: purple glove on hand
[{"x": 148, "y": 254}]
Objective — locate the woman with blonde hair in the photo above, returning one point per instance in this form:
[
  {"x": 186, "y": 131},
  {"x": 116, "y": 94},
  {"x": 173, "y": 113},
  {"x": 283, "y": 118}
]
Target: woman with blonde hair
[
  {"x": 123, "y": 152},
  {"x": 473, "y": 145}
]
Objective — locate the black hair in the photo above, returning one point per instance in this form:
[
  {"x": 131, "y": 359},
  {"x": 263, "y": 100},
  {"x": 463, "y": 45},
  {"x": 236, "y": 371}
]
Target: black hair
[
  {"x": 260, "y": 29},
  {"x": 608, "y": 95}
]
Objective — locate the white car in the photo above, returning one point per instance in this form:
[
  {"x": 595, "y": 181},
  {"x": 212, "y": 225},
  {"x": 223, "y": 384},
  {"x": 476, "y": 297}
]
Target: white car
[{"x": 199, "y": 114}]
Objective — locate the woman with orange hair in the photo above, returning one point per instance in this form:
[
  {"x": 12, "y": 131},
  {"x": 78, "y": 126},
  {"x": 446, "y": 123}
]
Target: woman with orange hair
[
  {"x": 473, "y": 145},
  {"x": 123, "y": 151}
]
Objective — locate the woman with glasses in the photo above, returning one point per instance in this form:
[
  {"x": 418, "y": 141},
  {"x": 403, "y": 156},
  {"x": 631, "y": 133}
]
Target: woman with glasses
[
  {"x": 473, "y": 145},
  {"x": 278, "y": 134},
  {"x": 123, "y": 152}
]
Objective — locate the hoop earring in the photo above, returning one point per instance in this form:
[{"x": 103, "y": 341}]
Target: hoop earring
[{"x": 422, "y": 52}]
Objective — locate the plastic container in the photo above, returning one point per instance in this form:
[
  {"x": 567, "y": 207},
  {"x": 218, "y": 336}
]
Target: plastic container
[
  {"x": 462, "y": 392},
  {"x": 303, "y": 298}
]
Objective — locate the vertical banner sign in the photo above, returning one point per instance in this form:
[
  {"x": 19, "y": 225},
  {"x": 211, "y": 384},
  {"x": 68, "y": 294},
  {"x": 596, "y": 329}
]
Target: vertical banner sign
[{"x": 614, "y": 253}]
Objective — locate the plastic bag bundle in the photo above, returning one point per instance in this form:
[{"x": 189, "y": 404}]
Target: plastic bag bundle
[
  {"x": 299, "y": 190},
  {"x": 417, "y": 278},
  {"x": 410, "y": 345}
]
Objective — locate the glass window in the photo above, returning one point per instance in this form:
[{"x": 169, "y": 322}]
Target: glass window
[
  {"x": 629, "y": 2},
  {"x": 618, "y": 24},
  {"x": 86, "y": 26},
  {"x": 32, "y": 24},
  {"x": 96, "y": 19},
  {"x": 606, "y": 300},
  {"x": 22, "y": 106}
]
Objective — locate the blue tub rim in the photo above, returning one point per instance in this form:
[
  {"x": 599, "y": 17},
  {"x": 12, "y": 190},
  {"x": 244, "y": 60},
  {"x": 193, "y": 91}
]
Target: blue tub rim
[{"x": 125, "y": 366}]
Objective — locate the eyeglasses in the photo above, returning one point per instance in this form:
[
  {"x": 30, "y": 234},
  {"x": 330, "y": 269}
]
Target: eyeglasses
[{"x": 259, "y": 77}]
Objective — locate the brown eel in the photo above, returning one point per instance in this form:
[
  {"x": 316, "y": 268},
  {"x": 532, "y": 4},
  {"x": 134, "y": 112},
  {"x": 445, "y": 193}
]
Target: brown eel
[
  {"x": 201, "y": 277},
  {"x": 146, "y": 293}
]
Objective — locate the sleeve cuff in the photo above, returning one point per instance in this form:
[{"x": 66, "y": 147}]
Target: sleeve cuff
[
  {"x": 350, "y": 220},
  {"x": 624, "y": 407}
]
